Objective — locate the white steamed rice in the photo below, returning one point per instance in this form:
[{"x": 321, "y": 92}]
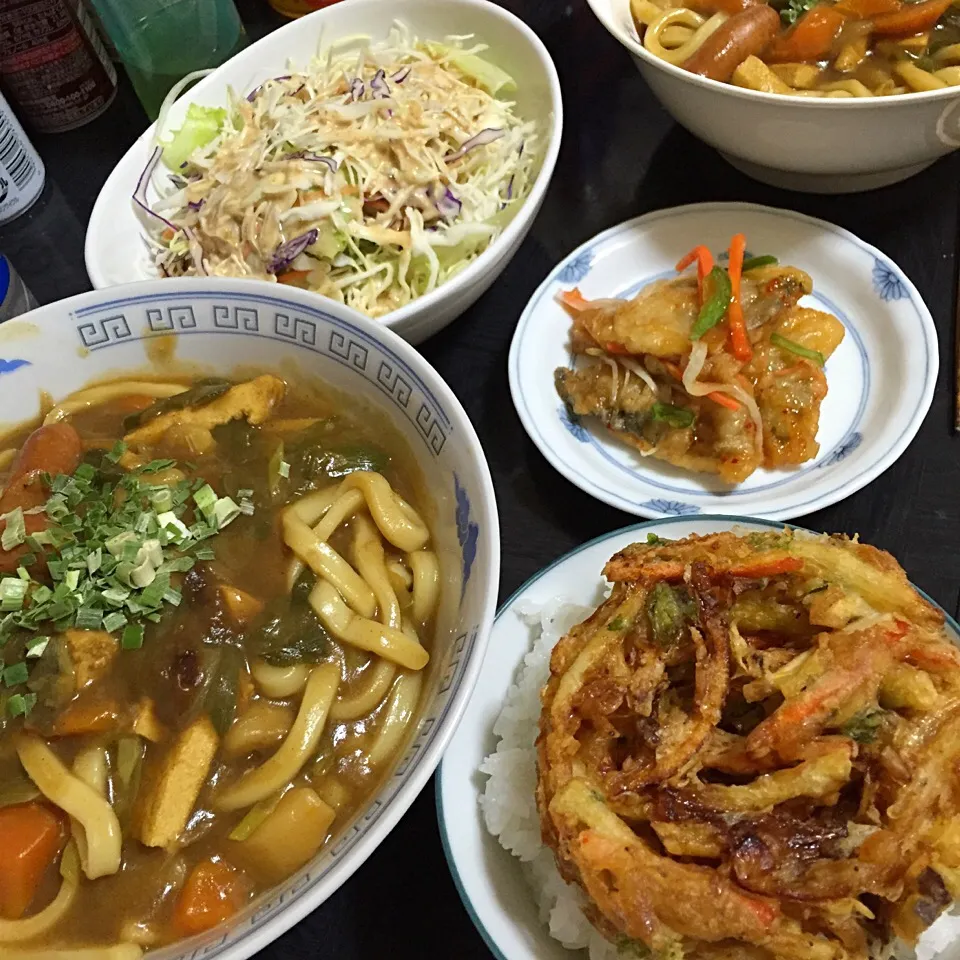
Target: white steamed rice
[{"x": 509, "y": 801}]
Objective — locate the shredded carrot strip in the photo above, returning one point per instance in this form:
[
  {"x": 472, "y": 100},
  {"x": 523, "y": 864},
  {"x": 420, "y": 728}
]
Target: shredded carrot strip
[
  {"x": 673, "y": 370},
  {"x": 725, "y": 400},
  {"x": 612, "y": 346},
  {"x": 704, "y": 260},
  {"x": 739, "y": 341}
]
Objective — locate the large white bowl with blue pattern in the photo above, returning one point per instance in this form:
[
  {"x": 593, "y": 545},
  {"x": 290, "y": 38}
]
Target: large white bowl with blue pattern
[
  {"x": 880, "y": 380},
  {"x": 222, "y": 326}
]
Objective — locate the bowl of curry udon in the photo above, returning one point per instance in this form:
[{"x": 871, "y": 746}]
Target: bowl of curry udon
[
  {"x": 248, "y": 563},
  {"x": 826, "y": 96}
]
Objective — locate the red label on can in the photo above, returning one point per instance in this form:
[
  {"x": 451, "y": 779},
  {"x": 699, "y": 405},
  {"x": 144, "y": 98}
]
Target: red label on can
[{"x": 50, "y": 67}]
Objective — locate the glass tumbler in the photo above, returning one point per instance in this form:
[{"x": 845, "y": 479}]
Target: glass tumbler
[{"x": 161, "y": 41}]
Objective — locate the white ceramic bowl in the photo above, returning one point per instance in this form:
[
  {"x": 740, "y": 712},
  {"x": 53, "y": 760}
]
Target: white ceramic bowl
[
  {"x": 216, "y": 326},
  {"x": 816, "y": 145},
  {"x": 115, "y": 250}
]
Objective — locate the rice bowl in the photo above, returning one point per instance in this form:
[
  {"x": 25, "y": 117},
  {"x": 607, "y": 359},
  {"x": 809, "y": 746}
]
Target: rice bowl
[{"x": 497, "y": 894}]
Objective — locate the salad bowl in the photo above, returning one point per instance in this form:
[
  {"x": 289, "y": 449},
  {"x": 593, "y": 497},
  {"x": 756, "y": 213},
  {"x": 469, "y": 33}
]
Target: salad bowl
[{"x": 117, "y": 249}]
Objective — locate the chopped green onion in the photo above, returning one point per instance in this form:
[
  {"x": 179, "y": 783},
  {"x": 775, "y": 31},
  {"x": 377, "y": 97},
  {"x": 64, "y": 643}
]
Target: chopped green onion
[
  {"x": 679, "y": 417},
  {"x": 88, "y": 618},
  {"x": 796, "y": 348},
  {"x": 174, "y": 528},
  {"x": 751, "y": 263},
  {"x": 225, "y": 511},
  {"x": 72, "y": 579},
  {"x": 20, "y": 704},
  {"x": 117, "y": 451},
  {"x": 15, "y": 532},
  {"x": 284, "y": 469},
  {"x": 155, "y": 466},
  {"x": 23, "y": 573},
  {"x": 36, "y": 646},
  {"x": 114, "y": 621},
  {"x": 94, "y": 560},
  {"x": 12, "y": 592},
  {"x": 714, "y": 308},
  {"x": 274, "y": 476},
  {"x": 246, "y": 507},
  {"x": 115, "y": 545},
  {"x": 161, "y": 499},
  {"x": 16, "y": 673},
  {"x": 206, "y": 500},
  {"x": 132, "y": 638},
  {"x": 245, "y": 493}
]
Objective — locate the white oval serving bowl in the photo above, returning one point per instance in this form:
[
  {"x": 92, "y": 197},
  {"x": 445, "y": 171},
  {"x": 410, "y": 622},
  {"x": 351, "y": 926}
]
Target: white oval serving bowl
[
  {"x": 115, "y": 251},
  {"x": 800, "y": 143},
  {"x": 218, "y": 325}
]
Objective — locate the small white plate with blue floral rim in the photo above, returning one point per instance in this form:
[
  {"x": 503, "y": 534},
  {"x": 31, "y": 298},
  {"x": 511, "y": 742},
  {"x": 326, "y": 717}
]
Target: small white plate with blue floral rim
[{"x": 880, "y": 380}]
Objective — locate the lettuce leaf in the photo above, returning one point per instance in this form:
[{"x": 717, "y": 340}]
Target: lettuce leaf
[{"x": 200, "y": 126}]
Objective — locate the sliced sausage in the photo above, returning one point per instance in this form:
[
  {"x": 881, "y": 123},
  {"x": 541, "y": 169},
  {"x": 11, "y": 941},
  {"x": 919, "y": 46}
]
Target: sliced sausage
[
  {"x": 745, "y": 34},
  {"x": 51, "y": 449}
]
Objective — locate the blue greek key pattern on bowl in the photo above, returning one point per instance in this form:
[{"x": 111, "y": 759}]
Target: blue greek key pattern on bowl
[
  {"x": 8, "y": 366},
  {"x": 467, "y": 533},
  {"x": 846, "y": 446},
  {"x": 104, "y": 331},
  {"x": 671, "y": 508},
  {"x": 887, "y": 284},
  {"x": 577, "y": 269},
  {"x": 577, "y": 430},
  {"x": 130, "y": 319}
]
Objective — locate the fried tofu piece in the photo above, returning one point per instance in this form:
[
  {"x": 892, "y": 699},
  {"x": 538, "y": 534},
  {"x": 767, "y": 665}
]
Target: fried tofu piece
[
  {"x": 253, "y": 401},
  {"x": 91, "y": 654},
  {"x": 145, "y": 721},
  {"x": 241, "y": 606},
  {"x": 800, "y": 76},
  {"x": 754, "y": 74},
  {"x": 172, "y": 786}
]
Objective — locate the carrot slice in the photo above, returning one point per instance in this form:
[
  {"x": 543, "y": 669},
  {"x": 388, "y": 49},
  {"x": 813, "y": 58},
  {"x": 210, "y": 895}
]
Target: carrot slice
[
  {"x": 31, "y": 837},
  {"x": 725, "y": 400},
  {"x": 767, "y": 568},
  {"x": 864, "y": 9},
  {"x": 293, "y": 278},
  {"x": 214, "y": 892},
  {"x": 912, "y": 18},
  {"x": 811, "y": 38},
  {"x": 739, "y": 341},
  {"x": 573, "y": 300},
  {"x": 704, "y": 259}
]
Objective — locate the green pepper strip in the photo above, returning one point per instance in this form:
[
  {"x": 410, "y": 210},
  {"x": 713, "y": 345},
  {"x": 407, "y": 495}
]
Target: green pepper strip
[
  {"x": 714, "y": 308},
  {"x": 753, "y": 262},
  {"x": 815, "y": 355},
  {"x": 679, "y": 417}
]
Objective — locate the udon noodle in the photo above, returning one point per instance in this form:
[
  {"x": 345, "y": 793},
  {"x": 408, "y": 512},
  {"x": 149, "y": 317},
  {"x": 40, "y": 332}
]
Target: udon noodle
[{"x": 216, "y": 602}]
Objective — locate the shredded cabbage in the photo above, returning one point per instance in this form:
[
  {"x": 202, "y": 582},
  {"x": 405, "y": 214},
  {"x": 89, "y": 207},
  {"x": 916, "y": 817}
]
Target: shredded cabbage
[{"x": 372, "y": 177}]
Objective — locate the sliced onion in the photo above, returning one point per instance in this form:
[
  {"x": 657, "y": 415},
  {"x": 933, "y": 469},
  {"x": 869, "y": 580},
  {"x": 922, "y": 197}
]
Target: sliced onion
[
  {"x": 252, "y": 94},
  {"x": 447, "y": 204},
  {"x": 196, "y": 251},
  {"x": 644, "y": 375},
  {"x": 698, "y": 388},
  {"x": 378, "y": 85},
  {"x": 353, "y": 111},
  {"x": 287, "y": 252},
  {"x": 481, "y": 139},
  {"x": 140, "y": 193},
  {"x": 356, "y": 89},
  {"x": 401, "y": 74}
]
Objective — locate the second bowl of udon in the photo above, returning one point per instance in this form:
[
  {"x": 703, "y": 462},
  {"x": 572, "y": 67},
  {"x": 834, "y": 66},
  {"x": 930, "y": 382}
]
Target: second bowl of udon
[
  {"x": 829, "y": 136},
  {"x": 249, "y": 562}
]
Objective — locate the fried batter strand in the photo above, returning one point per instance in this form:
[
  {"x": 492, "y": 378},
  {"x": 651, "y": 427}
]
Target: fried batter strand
[{"x": 751, "y": 749}]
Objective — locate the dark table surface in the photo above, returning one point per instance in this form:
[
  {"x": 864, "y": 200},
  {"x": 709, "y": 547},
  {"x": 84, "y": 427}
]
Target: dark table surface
[{"x": 622, "y": 156}]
